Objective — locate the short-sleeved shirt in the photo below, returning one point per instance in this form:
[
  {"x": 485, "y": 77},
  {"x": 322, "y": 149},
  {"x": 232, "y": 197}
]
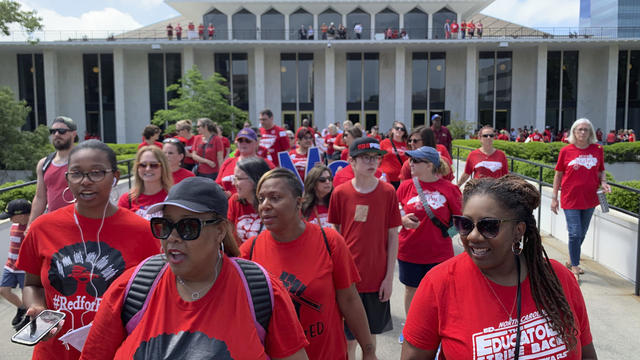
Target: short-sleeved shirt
[
  {"x": 218, "y": 325},
  {"x": 425, "y": 244},
  {"x": 312, "y": 274},
  {"x": 188, "y": 146},
  {"x": 140, "y": 204},
  {"x": 405, "y": 173},
  {"x": 144, "y": 143},
  {"x": 181, "y": 174},
  {"x": 300, "y": 162},
  {"x": 225, "y": 175},
  {"x": 16, "y": 235},
  {"x": 390, "y": 163},
  {"x": 581, "y": 175},
  {"x": 440, "y": 314},
  {"x": 482, "y": 165},
  {"x": 274, "y": 140},
  {"x": 76, "y": 274},
  {"x": 536, "y": 137},
  {"x": 323, "y": 216},
  {"x": 209, "y": 151},
  {"x": 245, "y": 217},
  {"x": 226, "y": 145},
  {"x": 365, "y": 220},
  {"x": 443, "y": 136},
  {"x": 330, "y": 140}
]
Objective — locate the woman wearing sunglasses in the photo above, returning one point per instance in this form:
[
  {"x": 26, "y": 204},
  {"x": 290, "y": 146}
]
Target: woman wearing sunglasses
[
  {"x": 423, "y": 242},
  {"x": 243, "y": 204},
  {"x": 298, "y": 155},
  {"x": 502, "y": 297},
  {"x": 317, "y": 192},
  {"x": 314, "y": 264},
  {"x": 173, "y": 149},
  {"x": 72, "y": 255},
  {"x": 208, "y": 150},
  {"x": 395, "y": 146},
  {"x": 199, "y": 308},
  {"x": 486, "y": 161},
  {"x": 424, "y": 136},
  {"x": 152, "y": 180},
  {"x": 247, "y": 147}
]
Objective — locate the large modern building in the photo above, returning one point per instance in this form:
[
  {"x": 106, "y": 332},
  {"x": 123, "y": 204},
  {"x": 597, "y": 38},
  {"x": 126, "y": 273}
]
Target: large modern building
[
  {"x": 511, "y": 77},
  {"x": 619, "y": 18}
]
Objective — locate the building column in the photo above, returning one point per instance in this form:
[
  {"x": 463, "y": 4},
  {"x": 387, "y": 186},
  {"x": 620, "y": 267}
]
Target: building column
[
  {"x": 430, "y": 26},
  {"x": 259, "y": 27},
  {"x": 286, "y": 27},
  {"x": 187, "y": 59},
  {"x": 329, "y": 86},
  {"x": 612, "y": 87},
  {"x": 316, "y": 29},
  {"x": 541, "y": 88},
  {"x": 344, "y": 22},
  {"x": 50, "y": 59},
  {"x": 459, "y": 20},
  {"x": 119, "y": 86},
  {"x": 471, "y": 91},
  {"x": 401, "y": 23},
  {"x": 230, "y": 24},
  {"x": 373, "y": 26},
  {"x": 400, "y": 77},
  {"x": 258, "y": 69}
]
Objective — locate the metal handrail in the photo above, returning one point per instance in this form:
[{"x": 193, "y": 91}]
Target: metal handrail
[{"x": 540, "y": 183}]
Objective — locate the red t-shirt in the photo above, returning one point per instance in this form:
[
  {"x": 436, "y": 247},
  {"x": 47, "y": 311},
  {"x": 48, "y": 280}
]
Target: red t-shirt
[
  {"x": 55, "y": 182},
  {"x": 16, "y": 235},
  {"x": 503, "y": 137},
  {"x": 482, "y": 165},
  {"x": 225, "y": 175},
  {"x": 425, "y": 244},
  {"x": 365, "y": 220},
  {"x": 220, "y": 324},
  {"x": 245, "y": 217},
  {"x": 144, "y": 143},
  {"x": 274, "y": 140},
  {"x": 142, "y": 203},
  {"x": 330, "y": 140},
  {"x": 189, "y": 147},
  {"x": 339, "y": 141},
  {"x": 377, "y": 137},
  {"x": 53, "y": 250},
  {"x": 300, "y": 162},
  {"x": 323, "y": 216},
  {"x": 346, "y": 174},
  {"x": 440, "y": 314},
  {"x": 208, "y": 151},
  {"x": 344, "y": 154},
  {"x": 226, "y": 145},
  {"x": 180, "y": 175},
  {"x": 632, "y": 137},
  {"x": 581, "y": 176},
  {"x": 443, "y": 136},
  {"x": 390, "y": 164},
  {"x": 454, "y": 27},
  {"x": 312, "y": 274},
  {"x": 535, "y": 137},
  {"x": 405, "y": 173}
]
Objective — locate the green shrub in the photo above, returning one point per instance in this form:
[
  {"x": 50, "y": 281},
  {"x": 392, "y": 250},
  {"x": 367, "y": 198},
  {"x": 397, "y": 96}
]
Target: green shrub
[
  {"x": 121, "y": 149},
  {"x": 625, "y": 199},
  {"x": 620, "y": 152},
  {"x": 25, "y": 192}
]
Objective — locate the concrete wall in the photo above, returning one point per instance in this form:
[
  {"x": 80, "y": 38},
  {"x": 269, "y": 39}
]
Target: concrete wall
[
  {"x": 136, "y": 94},
  {"x": 455, "y": 83},
  {"x": 321, "y": 118},
  {"x": 9, "y": 71},
  {"x": 592, "y": 89},
  {"x": 387, "y": 89},
  {"x": 273, "y": 99},
  {"x": 523, "y": 87},
  {"x": 408, "y": 66},
  {"x": 341, "y": 87},
  {"x": 71, "y": 89},
  {"x": 204, "y": 60}
]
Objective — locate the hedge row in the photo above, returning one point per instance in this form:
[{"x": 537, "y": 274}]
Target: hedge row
[
  {"x": 625, "y": 199},
  {"x": 25, "y": 192}
]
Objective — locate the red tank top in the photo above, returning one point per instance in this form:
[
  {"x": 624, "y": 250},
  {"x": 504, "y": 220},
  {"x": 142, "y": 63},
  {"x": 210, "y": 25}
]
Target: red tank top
[{"x": 55, "y": 182}]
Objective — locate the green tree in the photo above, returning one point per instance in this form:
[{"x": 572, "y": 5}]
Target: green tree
[
  {"x": 20, "y": 149},
  {"x": 460, "y": 128},
  {"x": 10, "y": 13},
  {"x": 199, "y": 97}
]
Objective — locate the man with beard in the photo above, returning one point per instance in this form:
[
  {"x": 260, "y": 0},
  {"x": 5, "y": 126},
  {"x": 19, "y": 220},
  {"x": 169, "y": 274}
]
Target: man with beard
[{"x": 51, "y": 177}]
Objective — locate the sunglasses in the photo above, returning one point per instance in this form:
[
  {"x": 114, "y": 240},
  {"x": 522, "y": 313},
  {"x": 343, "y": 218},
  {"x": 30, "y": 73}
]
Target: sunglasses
[
  {"x": 171, "y": 141},
  {"x": 488, "y": 135},
  {"x": 244, "y": 140},
  {"x": 153, "y": 166},
  {"x": 417, "y": 161},
  {"x": 400, "y": 128},
  {"x": 414, "y": 141},
  {"x": 324, "y": 179},
  {"x": 489, "y": 228},
  {"x": 59, "y": 131},
  {"x": 188, "y": 229}
]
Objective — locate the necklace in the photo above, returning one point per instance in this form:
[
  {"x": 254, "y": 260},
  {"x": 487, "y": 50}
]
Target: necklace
[
  {"x": 509, "y": 313},
  {"x": 197, "y": 294}
]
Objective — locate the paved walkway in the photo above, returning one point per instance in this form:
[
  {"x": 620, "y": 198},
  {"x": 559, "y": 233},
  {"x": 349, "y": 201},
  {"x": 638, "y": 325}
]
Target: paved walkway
[{"x": 614, "y": 313}]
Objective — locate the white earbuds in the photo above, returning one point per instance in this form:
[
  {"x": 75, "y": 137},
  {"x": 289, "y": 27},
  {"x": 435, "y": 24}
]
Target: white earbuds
[{"x": 115, "y": 181}]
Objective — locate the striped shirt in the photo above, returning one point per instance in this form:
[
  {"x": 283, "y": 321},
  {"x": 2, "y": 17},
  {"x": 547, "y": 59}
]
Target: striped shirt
[{"x": 16, "y": 235}]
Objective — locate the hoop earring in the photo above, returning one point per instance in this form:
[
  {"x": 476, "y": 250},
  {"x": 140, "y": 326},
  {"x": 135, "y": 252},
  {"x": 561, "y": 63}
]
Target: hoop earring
[
  {"x": 221, "y": 248},
  {"x": 516, "y": 248},
  {"x": 65, "y": 200}
]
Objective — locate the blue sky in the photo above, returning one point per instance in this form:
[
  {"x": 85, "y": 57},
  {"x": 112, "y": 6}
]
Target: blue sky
[{"x": 117, "y": 15}]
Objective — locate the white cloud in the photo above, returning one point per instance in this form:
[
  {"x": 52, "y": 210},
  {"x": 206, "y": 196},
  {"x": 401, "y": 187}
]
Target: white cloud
[{"x": 537, "y": 13}]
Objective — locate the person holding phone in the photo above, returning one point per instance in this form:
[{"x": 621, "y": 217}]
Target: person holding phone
[{"x": 72, "y": 255}]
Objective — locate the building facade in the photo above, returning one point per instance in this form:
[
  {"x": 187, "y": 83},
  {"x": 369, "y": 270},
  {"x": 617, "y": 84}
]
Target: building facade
[
  {"x": 511, "y": 77},
  {"x": 619, "y": 18}
]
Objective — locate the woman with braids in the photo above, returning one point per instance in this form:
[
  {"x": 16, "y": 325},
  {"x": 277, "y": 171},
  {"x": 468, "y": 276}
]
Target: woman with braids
[
  {"x": 503, "y": 293},
  {"x": 317, "y": 192}
]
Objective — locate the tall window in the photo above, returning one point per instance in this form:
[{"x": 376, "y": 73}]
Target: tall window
[
  {"x": 387, "y": 18},
  {"x": 359, "y": 16},
  {"x": 219, "y": 22},
  {"x": 31, "y": 89},
  {"x": 562, "y": 88},
  {"x": 363, "y": 88},
  {"x": 327, "y": 17},
  {"x": 296, "y": 84},
  {"x": 628, "y": 104},
  {"x": 494, "y": 89},
  {"x": 235, "y": 68},
  {"x": 439, "y": 19},
  {"x": 272, "y": 23},
  {"x": 416, "y": 24},
  {"x": 428, "y": 86},
  {"x": 300, "y": 18},
  {"x": 99, "y": 96},
  {"x": 164, "y": 70},
  {"x": 244, "y": 25}
]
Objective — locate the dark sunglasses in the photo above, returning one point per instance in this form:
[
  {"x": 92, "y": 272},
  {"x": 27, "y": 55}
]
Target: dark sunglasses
[
  {"x": 324, "y": 179},
  {"x": 151, "y": 165},
  {"x": 489, "y": 228},
  {"x": 488, "y": 135},
  {"x": 417, "y": 161},
  {"x": 400, "y": 128},
  {"x": 171, "y": 141},
  {"x": 413, "y": 141},
  {"x": 59, "y": 131},
  {"x": 188, "y": 229},
  {"x": 244, "y": 140}
]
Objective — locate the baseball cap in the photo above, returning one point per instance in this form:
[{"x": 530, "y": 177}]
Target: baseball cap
[
  {"x": 197, "y": 194},
  {"x": 67, "y": 121},
  {"x": 16, "y": 207},
  {"x": 247, "y": 133},
  {"x": 425, "y": 153},
  {"x": 436, "y": 116},
  {"x": 365, "y": 145}
]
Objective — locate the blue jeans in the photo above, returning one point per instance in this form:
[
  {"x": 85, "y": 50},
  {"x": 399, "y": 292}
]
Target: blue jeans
[{"x": 577, "y": 225}]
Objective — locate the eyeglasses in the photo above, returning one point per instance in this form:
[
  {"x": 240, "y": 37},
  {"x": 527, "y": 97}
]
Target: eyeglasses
[
  {"x": 152, "y": 165},
  {"x": 307, "y": 138},
  {"x": 188, "y": 229},
  {"x": 368, "y": 158},
  {"x": 488, "y": 135},
  {"x": 244, "y": 140},
  {"x": 414, "y": 141},
  {"x": 400, "y": 128},
  {"x": 238, "y": 178},
  {"x": 324, "y": 179},
  {"x": 200, "y": 125},
  {"x": 171, "y": 141},
  {"x": 418, "y": 161},
  {"x": 489, "y": 228},
  {"x": 59, "y": 131},
  {"x": 76, "y": 177},
  {"x": 578, "y": 130}
]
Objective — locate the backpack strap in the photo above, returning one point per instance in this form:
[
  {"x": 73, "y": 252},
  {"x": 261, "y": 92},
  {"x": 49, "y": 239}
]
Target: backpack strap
[
  {"x": 396, "y": 150},
  {"x": 425, "y": 204},
  {"x": 47, "y": 161},
  {"x": 257, "y": 285},
  {"x": 141, "y": 284}
]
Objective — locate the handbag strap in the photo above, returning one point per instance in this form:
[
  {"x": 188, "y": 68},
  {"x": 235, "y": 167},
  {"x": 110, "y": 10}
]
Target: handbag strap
[
  {"x": 396, "y": 150},
  {"x": 443, "y": 228}
]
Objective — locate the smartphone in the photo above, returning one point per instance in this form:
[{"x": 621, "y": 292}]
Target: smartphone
[{"x": 38, "y": 328}]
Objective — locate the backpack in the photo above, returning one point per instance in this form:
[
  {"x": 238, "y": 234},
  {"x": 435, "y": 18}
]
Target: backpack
[
  {"x": 256, "y": 282},
  {"x": 47, "y": 162}
]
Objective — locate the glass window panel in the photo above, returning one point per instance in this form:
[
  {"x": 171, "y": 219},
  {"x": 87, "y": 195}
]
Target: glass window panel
[
  {"x": 26, "y": 72},
  {"x": 354, "y": 81},
  {"x": 416, "y": 24},
  {"x": 219, "y": 22},
  {"x": 289, "y": 120},
  {"x": 156, "y": 82},
  {"x": 240, "y": 78},
  {"x": 329, "y": 16},
  {"x": 387, "y": 18},
  {"x": 371, "y": 81},
  {"x": 553, "y": 88},
  {"x": 503, "y": 119},
  {"x": 419, "y": 81},
  {"x": 370, "y": 120},
  {"x": 633, "y": 118},
  {"x": 439, "y": 19},
  {"x": 623, "y": 58},
  {"x": 40, "y": 99},
  {"x": 244, "y": 25},
  {"x": 363, "y": 18},
  {"x": 92, "y": 94},
  {"x": 297, "y": 19},
  {"x": 174, "y": 72},
  {"x": 570, "y": 76},
  {"x": 437, "y": 75},
  {"x": 108, "y": 98},
  {"x": 288, "y": 79},
  {"x": 486, "y": 67},
  {"x": 419, "y": 119},
  {"x": 305, "y": 80},
  {"x": 272, "y": 23},
  {"x": 354, "y": 117},
  {"x": 222, "y": 67}
]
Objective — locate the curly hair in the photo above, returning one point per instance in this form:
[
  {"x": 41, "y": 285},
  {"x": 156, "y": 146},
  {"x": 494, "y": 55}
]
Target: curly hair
[{"x": 521, "y": 198}]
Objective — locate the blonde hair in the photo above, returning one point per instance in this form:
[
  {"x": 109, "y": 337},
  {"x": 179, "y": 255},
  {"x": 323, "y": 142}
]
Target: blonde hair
[
  {"x": 166, "y": 177},
  {"x": 184, "y": 125},
  {"x": 229, "y": 240},
  {"x": 592, "y": 132}
]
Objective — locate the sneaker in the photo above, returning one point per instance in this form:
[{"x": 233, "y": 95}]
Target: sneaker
[
  {"x": 19, "y": 316},
  {"x": 21, "y": 324}
]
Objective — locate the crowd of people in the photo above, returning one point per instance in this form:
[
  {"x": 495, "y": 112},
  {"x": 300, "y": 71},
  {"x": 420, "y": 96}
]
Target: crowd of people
[
  {"x": 202, "y": 33},
  {"x": 549, "y": 134},
  {"x": 238, "y": 256},
  {"x": 453, "y": 30}
]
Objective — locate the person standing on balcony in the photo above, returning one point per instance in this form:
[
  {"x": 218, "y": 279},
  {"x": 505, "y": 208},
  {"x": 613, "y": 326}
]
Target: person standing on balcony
[
  {"x": 211, "y": 30},
  {"x": 169, "y": 32},
  {"x": 479, "y": 27},
  {"x": 191, "y": 31},
  {"x": 332, "y": 31},
  {"x": 342, "y": 32},
  {"x": 178, "y": 32},
  {"x": 310, "y": 33},
  {"x": 471, "y": 28},
  {"x": 272, "y": 137},
  {"x": 357, "y": 29},
  {"x": 302, "y": 33},
  {"x": 201, "y": 31},
  {"x": 463, "y": 29},
  {"x": 323, "y": 30},
  {"x": 447, "y": 30},
  {"x": 454, "y": 30}
]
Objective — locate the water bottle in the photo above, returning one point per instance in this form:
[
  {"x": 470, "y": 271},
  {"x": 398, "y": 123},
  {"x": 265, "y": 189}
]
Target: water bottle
[{"x": 604, "y": 204}]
